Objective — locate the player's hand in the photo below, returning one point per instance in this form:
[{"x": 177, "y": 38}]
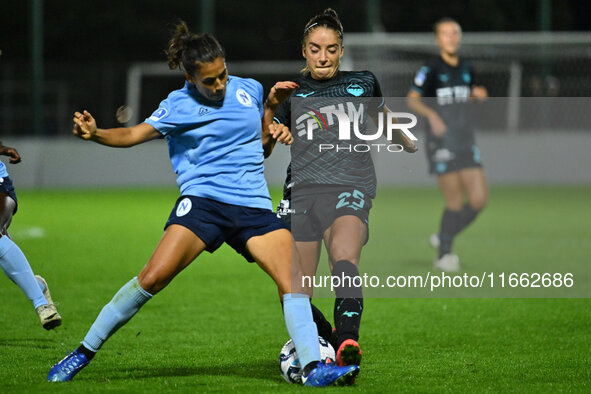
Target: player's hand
[
  {"x": 10, "y": 152},
  {"x": 280, "y": 92},
  {"x": 280, "y": 133},
  {"x": 438, "y": 128},
  {"x": 409, "y": 145},
  {"x": 479, "y": 93},
  {"x": 84, "y": 125}
]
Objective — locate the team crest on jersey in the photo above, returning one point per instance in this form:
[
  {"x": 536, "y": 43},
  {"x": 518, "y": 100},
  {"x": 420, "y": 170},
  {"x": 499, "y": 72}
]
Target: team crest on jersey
[
  {"x": 159, "y": 114},
  {"x": 355, "y": 89},
  {"x": 466, "y": 77},
  {"x": 243, "y": 98},
  {"x": 184, "y": 207},
  {"x": 203, "y": 111},
  {"x": 443, "y": 78}
]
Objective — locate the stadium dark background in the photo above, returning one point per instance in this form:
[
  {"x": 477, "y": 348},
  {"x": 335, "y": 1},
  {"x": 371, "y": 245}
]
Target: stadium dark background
[{"x": 87, "y": 46}]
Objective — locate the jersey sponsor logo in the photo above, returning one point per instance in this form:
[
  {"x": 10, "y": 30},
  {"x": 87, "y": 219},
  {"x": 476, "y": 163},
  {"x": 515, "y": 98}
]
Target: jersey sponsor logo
[
  {"x": 203, "y": 111},
  {"x": 449, "y": 95},
  {"x": 421, "y": 76},
  {"x": 317, "y": 117},
  {"x": 159, "y": 114},
  {"x": 355, "y": 89},
  {"x": 305, "y": 94},
  {"x": 243, "y": 98},
  {"x": 184, "y": 207}
]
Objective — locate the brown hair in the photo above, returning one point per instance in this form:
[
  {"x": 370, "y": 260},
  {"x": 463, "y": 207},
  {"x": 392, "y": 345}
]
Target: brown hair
[
  {"x": 445, "y": 20},
  {"x": 186, "y": 50},
  {"x": 328, "y": 19}
]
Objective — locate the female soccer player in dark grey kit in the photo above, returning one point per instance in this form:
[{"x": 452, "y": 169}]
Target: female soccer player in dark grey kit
[
  {"x": 12, "y": 260},
  {"x": 451, "y": 150},
  {"x": 328, "y": 195},
  {"x": 213, "y": 127}
]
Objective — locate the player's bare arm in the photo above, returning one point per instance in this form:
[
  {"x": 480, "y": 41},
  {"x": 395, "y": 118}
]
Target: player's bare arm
[
  {"x": 398, "y": 137},
  {"x": 414, "y": 102},
  {"x": 272, "y": 131},
  {"x": 10, "y": 152},
  {"x": 85, "y": 127}
]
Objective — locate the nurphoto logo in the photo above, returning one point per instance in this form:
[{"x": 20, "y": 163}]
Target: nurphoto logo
[{"x": 351, "y": 121}]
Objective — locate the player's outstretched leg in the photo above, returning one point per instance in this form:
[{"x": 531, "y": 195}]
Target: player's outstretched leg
[{"x": 124, "y": 305}]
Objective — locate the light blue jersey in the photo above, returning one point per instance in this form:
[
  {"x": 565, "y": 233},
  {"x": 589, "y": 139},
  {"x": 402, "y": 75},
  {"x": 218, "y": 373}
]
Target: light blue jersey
[
  {"x": 215, "y": 147},
  {"x": 3, "y": 172}
]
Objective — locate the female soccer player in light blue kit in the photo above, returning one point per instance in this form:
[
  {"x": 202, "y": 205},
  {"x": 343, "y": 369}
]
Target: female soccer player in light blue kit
[
  {"x": 213, "y": 129},
  {"x": 12, "y": 260}
]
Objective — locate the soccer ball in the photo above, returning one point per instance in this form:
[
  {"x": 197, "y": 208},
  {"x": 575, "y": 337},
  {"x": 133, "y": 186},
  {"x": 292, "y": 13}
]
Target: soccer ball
[{"x": 289, "y": 363}]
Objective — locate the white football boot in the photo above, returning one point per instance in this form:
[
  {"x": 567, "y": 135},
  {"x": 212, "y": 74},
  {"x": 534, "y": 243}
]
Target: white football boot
[{"x": 448, "y": 263}]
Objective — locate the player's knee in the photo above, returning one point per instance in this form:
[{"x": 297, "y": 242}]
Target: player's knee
[
  {"x": 151, "y": 283},
  {"x": 339, "y": 255},
  {"x": 345, "y": 251},
  {"x": 478, "y": 202},
  {"x": 454, "y": 202}
]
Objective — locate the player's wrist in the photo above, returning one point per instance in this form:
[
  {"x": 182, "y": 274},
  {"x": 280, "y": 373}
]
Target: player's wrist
[{"x": 271, "y": 104}]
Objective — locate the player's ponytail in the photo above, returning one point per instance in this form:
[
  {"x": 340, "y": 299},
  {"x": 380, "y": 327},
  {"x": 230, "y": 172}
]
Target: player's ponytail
[{"x": 186, "y": 50}]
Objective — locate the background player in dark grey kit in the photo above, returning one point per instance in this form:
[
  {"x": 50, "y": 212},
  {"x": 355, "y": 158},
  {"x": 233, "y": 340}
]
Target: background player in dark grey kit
[
  {"x": 328, "y": 194},
  {"x": 451, "y": 149}
]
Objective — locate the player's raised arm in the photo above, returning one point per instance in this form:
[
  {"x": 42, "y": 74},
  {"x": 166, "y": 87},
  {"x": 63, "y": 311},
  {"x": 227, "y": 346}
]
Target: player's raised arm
[
  {"x": 122, "y": 137},
  {"x": 273, "y": 131},
  {"x": 10, "y": 152}
]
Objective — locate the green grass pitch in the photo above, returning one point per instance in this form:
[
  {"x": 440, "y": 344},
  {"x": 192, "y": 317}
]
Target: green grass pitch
[{"x": 218, "y": 327}]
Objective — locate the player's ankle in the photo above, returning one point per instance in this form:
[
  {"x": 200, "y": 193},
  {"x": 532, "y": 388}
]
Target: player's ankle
[
  {"x": 87, "y": 352},
  {"x": 309, "y": 367}
]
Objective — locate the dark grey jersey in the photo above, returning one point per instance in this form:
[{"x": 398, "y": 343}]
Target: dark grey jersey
[
  {"x": 450, "y": 88},
  {"x": 312, "y": 113}
]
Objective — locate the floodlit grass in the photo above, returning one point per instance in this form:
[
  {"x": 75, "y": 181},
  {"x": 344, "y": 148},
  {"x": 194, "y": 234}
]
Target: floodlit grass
[{"x": 218, "y": 327}]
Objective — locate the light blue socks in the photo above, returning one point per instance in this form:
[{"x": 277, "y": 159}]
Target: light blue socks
[
  {"x": 301, "y": 327},
  {"x": 124, "y": 305},
  {"x": 17, "y": 268}
]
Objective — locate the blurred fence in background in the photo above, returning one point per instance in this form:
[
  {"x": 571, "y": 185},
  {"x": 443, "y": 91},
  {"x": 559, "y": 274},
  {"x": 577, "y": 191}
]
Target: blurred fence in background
[{"x": 509, "y": 64}]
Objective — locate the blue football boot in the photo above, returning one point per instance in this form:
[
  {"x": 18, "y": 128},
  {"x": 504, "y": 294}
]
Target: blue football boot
[
  {"x": 68, "y": 367},
  {"x": 331, "y": 375}
]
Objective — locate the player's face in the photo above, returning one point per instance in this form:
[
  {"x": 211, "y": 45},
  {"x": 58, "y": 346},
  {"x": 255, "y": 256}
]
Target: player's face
[
  {"x": 322, "y": 51},
  {"x": 448, "y": 37},
  {"x": 210, "y": 79}
]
